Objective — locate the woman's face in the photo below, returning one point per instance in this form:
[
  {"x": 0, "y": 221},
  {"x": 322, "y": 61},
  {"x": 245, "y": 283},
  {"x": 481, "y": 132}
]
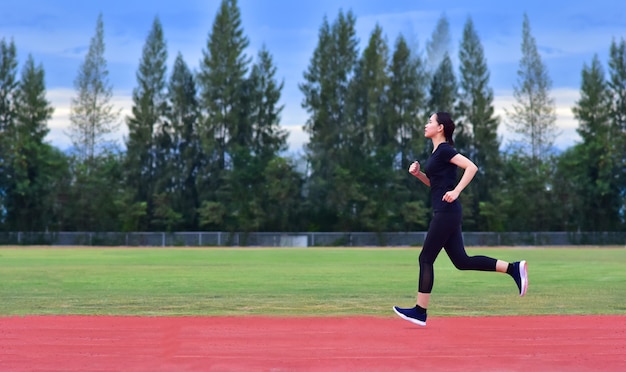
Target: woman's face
[{"x": 432, "y": 128}]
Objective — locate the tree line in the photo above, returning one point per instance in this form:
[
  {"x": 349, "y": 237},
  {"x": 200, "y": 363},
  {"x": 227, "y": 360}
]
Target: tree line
[{"x": 205, "y": 149}]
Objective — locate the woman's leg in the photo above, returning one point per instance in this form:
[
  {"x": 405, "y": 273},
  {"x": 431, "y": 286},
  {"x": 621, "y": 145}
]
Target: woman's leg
[
  {"x": 456, "y": 251},
  {"x": 438, "y": 232},
  {"x": 437, "y": 236}
]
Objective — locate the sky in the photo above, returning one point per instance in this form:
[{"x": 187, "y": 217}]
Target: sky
[{"x": 57, "y": 34}]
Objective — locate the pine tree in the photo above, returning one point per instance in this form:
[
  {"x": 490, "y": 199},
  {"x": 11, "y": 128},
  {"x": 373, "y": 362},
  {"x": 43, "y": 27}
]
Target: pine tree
[
  {"x": 371, "y": 140},
  {"x": 8, "y": 85},
  {"x": 92, "y": 199},
  {"x": 590, "y": 171},
  {"x": 533, "y": 116},
  {"x": 326, "y": 89},
  {"x": 477, "y": 128},
  {"x": 221, "y": 77},
  {"x": 32, "y": 172},
  {"x": 617, "y": 85},
  {"x": 93, "y": 118},
  {"x": 531, "y": 168},
  {"x": 268, "y": 138},
  {"x": 224, "y": 125},
  {"x": 593, "y": 109},
  {"x": 406, "y": 102},
  {"x": 187, "y": 158},
  {"x": 262, "y": 142},
  {"x": 8, "y": 90},
  {"x": 278, "y": 181},
  {"x": 147, "y": 126},
  {"x": 407, "y": 99}
]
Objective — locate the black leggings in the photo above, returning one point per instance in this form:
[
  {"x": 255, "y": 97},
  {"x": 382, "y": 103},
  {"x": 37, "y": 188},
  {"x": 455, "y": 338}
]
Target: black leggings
[{"x": 445, "y": 232}]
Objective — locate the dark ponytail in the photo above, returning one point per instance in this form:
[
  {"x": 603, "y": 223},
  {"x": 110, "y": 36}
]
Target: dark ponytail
[{"x": 445, "y": 119}]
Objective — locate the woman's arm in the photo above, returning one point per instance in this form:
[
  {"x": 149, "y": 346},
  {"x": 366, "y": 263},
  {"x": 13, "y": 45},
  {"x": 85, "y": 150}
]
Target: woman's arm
[
  {"x": 414, "y": 169},
  {"x": 469, "y": 171}
]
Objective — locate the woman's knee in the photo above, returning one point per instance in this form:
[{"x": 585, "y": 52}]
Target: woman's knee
[
  {"x": 462, "y": 265},
  {"x": 425, "y": 259}
]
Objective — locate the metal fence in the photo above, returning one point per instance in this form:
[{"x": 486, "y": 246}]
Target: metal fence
[{"x": 304, "y": 239}]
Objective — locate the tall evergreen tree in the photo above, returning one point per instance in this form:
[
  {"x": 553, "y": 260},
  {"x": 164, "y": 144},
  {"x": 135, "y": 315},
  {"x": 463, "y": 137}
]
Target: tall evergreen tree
[
  {"x": 268, "y": 139},
  {"x": 93, "y": 118},
  {"x": 221, "y": 80},
  {"x": 593, "y": 109},
  {"x": 222, "y": 74},
  {"x": 92, "y": 202},
  {"x": 477, "y": 128},
  {"x": 8, "y": 85},
  {"x": 147, "y": 126},
  {"x": 32, "y": 108},
  {"x": 29, "y": 195},
  {"x": 617, "y": 85},
  {"x": 533, "y": 116},
  {"x": 588, "y": 171},
  {"x": 406, "y": 111},
  {"x": 187, "y": 158},
  {"x": 8, "y": 90},
  {"x": 326, "y": 89},
  {"x": 371, "y": 141},
  {"x": 533, "y": 119},
  {"x": 278, "y": 181},
  {"x": 260, "y": 141},
  {"x": 407, "y": 99}
]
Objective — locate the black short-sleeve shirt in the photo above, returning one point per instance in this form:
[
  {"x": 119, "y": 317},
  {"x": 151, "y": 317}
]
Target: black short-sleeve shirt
[{"x": 442, "y": 175}]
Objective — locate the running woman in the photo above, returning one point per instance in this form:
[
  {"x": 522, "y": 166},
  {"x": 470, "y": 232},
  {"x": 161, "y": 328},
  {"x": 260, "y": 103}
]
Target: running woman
[{"x": 445, "y": 228}]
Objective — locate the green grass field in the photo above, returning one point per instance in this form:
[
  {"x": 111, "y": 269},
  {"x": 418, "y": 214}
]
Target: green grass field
[{"x": 300, "y": 282}]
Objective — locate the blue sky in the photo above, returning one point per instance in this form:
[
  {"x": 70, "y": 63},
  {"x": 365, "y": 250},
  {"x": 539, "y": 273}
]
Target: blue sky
[{"x": 57, "y": 34}]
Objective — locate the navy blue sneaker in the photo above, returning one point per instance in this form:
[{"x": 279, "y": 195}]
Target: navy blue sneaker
[
  {"x": 412, "y": 315},
  {"x": 520, "y": 275}
]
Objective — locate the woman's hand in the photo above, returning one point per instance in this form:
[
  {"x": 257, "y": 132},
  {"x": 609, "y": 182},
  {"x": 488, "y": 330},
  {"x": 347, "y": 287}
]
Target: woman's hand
[
  {"x": 450, "y": 196},
  {"x": 414, "y": 169}
]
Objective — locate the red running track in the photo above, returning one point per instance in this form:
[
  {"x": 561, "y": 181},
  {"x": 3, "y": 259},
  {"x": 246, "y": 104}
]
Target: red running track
[{"x": 107, "y": 343}]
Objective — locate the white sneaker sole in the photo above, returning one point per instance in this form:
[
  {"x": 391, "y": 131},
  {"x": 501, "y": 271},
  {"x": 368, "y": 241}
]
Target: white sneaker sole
[
  {"x": 523, "y": 273},
  {"x": 414, "y": 321}
]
